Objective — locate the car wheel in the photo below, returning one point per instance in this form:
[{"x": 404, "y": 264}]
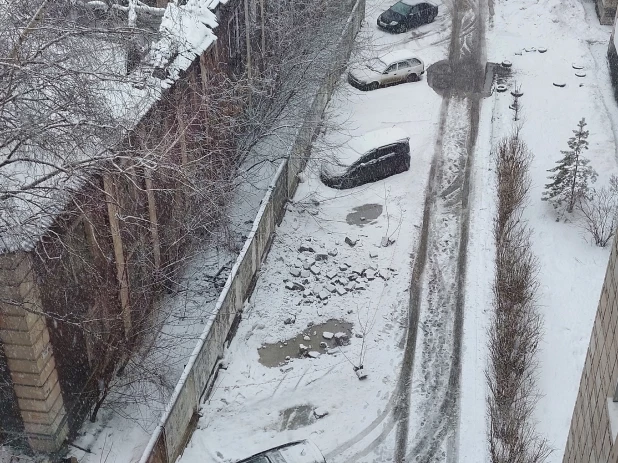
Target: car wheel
[
  {"x": 401, "y": 29},
  {"x": 373, "y": 86},
  {"x": 412, "y": 78}
]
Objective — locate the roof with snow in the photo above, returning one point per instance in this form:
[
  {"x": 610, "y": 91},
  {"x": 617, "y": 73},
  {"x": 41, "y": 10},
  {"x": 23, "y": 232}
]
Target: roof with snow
[{"x": 186, "y": 31}]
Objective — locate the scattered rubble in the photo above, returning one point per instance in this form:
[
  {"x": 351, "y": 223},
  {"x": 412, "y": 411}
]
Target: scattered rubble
[
  {"x": 342, "y": 339},
  {"x": 327, "y": 335},
  {"x": 320, "y": 412},
  {"x": 351, "y": 241}
]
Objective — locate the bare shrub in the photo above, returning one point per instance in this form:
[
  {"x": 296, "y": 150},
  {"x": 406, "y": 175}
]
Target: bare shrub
[
  {"x": 516, "y": 326},
  {"x": 600, "y": 213}
]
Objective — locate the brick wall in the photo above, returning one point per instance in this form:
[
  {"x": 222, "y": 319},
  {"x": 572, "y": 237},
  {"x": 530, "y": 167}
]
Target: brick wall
[{"x": 590, "y": 436}]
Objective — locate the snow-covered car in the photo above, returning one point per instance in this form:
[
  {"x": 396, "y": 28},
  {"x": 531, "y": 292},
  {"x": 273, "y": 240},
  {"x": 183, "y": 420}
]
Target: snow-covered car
[
  {"x": 407, "y": 14},
  {"x": 369, "y": 158},
  {"x": 392, "y": 68},
  {"x": 302, "y": 451}
]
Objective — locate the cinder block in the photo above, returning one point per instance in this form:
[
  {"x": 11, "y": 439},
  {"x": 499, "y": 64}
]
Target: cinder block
[
  {"x": 38, "y": 393},
  {"x": 49, "y": 442},
  {"x": 35, "y": 379},
  {"x": 23, "y": 338},
  {"x": 47, "y": 417},
  {"x": 28, "y": 366},
  {"x": 45, "y": 406},
  {"x": 22, "y": 322},
  {"x": 38, "y": 349}
]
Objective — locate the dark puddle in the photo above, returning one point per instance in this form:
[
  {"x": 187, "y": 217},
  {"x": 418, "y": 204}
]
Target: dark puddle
[
  {"x": 297, "y": 417},
  {"x": 465, "y": 76},
  {"x": 275, "y": 355},
  {"x": 364, "y": 214}
]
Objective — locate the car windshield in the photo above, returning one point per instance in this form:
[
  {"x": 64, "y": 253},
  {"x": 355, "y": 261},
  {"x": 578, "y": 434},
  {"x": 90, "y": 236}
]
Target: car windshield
[
  {"x": 401, "y": 8},
  {"x": 376, "y": 64}
]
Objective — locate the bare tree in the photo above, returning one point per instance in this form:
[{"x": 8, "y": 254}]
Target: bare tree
[
  {"x": 600, "y": 212},
  {"x": 122, "y": 208}
]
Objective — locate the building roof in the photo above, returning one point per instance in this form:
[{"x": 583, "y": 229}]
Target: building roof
[{"x": 186, "y": 31}]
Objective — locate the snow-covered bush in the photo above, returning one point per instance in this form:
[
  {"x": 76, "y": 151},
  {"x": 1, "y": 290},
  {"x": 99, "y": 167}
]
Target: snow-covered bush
[{"x": 600, "y": 212}]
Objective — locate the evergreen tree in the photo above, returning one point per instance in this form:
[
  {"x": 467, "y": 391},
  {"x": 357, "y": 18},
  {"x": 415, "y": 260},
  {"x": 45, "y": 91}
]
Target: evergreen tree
[{"x": 573, "y": 173}]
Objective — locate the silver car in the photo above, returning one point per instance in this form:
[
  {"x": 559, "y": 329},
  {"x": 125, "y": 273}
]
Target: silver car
[
  {"x": 302, "y": 451},
  {"x": 392, "y": 68}
]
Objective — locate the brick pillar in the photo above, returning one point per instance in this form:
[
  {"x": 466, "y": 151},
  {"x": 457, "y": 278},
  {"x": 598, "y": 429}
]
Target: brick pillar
[{"x": 25, "y": 340}]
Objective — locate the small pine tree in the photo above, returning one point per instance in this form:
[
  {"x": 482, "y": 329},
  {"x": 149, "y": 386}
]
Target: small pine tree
[{"x": 572, "y": 176}]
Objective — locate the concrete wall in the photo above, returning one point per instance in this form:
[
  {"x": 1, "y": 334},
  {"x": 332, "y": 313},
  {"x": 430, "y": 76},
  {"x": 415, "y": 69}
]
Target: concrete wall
[
  {"x": 168, "y": 439},
  {"x": 591, "y": 437}
]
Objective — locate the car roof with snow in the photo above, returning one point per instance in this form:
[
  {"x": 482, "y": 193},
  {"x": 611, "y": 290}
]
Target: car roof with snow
[
  {"x": 397, "y": 55},
  {"x": 354, "y": 149}
]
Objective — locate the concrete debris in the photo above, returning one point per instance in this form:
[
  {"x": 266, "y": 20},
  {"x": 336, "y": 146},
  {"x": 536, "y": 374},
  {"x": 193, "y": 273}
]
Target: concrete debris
[
  {"x": 343, "y": 267},
  {"x": 358, "y": 270},
  {"x": 370, "y": 275},
  {"x": 333, "y": 252},
  {"x": 360, "y": 373},
  {"x": 341, "y": 290},
  {"x": 294, "y": 286},
  {"x": 360, "y": 287},
  {"x": 323, "y": 345},
  {"x": 330, "y": 288},
  {"x": 331, "y": 274},
  {"x": 315, "y": 269},
  {"x": 351, "y": 240},
  {"x": 314, "y": 354},
  {"x": 350, "y": 286},
  {"x": 322, "y": 295},
  {"x": 295, "y": 272},
  {"x": 358, "y": 335},
  {"x": 320, "y": 412},
  {"x": 305, "y": 273},
  {"x": 289, "y": 321},
  {"x": 303, "y": 349},
  {"x": 305, "y": 248},
  {"x": 373, "y": 254},
  {"x": 320, "y": 256},
  {"x": 384, "y": 241},
  {"x": 307, "y": 292},
  {"x": 342, "y": 339},
  {"x": 306, "y": 338},
  {"x": 352, "y": 277},
  {"x": 384, "y": 274},
  {"x": 327, "y": 335}
]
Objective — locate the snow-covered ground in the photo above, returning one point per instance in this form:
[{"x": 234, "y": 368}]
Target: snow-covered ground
[
  {"x": 571, "y": 269},
  {"x": 254, "y": 407}
]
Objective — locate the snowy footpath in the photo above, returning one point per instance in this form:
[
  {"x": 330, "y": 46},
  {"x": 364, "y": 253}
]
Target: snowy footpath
[{"x": 315, "y": 284}]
